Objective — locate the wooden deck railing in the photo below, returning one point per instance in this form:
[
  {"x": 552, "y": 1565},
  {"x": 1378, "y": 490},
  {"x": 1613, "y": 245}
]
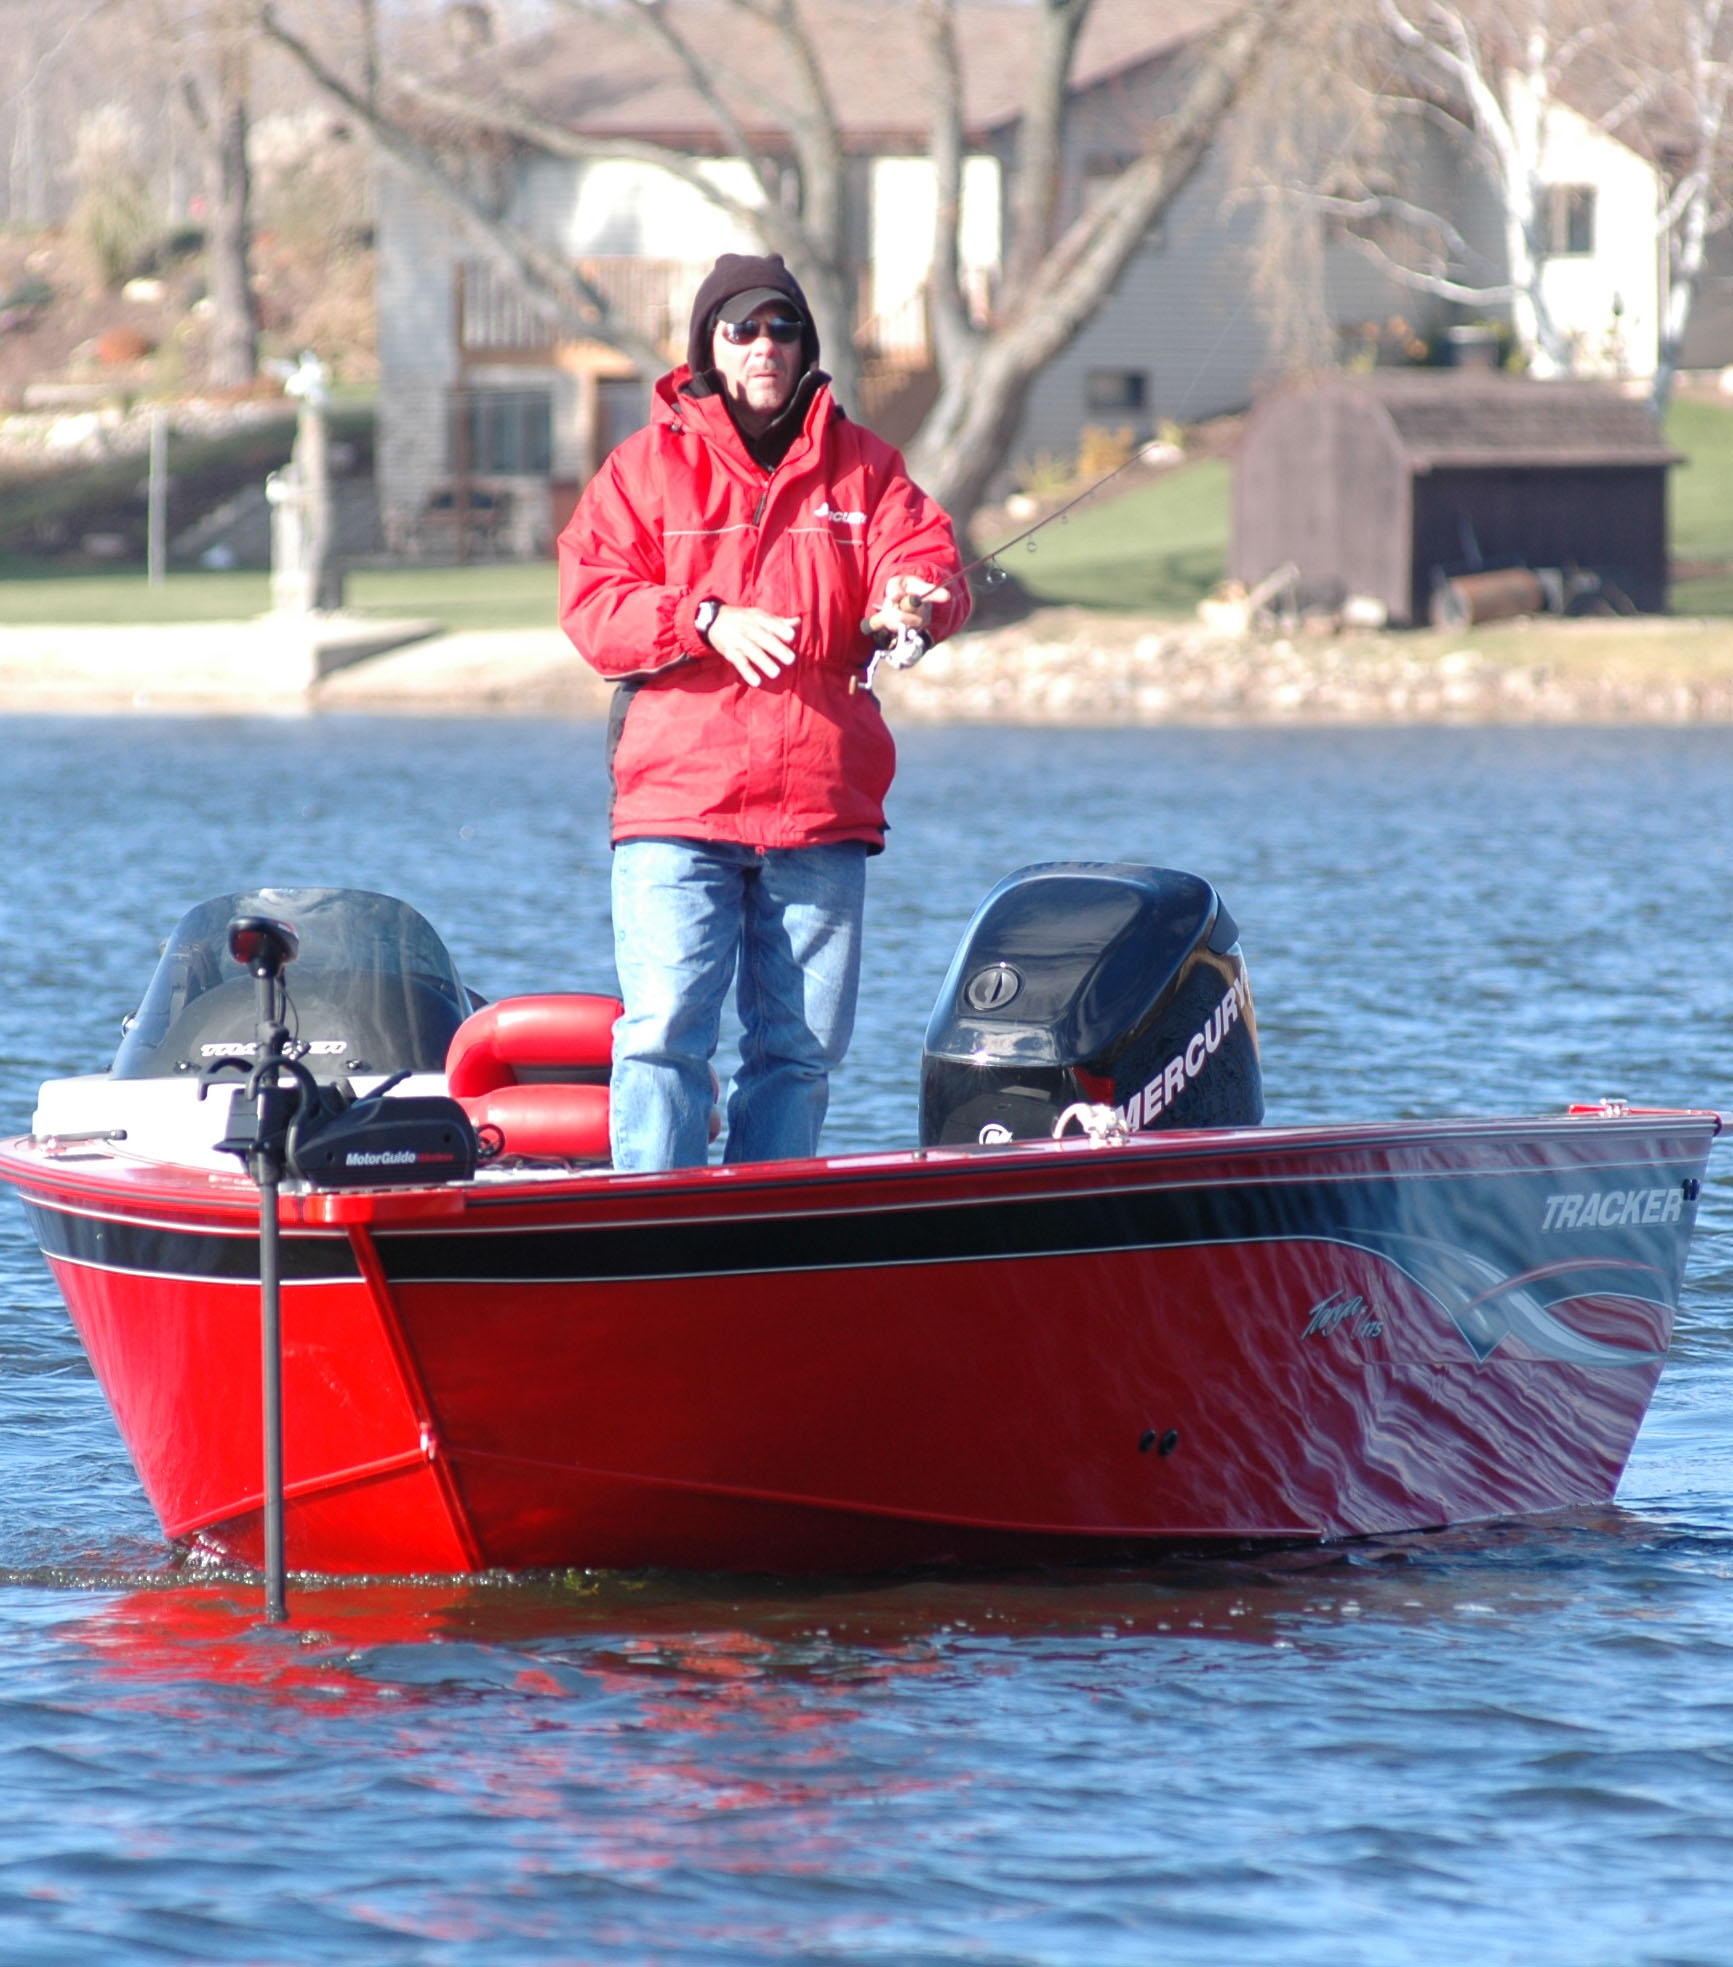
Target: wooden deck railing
[{"x": 500, "y": 320}]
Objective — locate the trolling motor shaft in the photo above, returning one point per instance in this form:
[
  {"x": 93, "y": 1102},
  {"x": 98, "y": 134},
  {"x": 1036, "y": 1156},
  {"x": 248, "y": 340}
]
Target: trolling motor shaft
[{"x": 266, "y": 948}]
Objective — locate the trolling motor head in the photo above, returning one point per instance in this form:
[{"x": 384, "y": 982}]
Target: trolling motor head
[
  {"x": 263, "y": 945},
  {"x": 266, "y": 947},
  {"x": 263, "y": 1110},
  {"x": 281, "y": 1120}
]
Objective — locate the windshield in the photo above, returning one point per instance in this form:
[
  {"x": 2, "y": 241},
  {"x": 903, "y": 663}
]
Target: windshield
[{"x": 373, "y": 989}]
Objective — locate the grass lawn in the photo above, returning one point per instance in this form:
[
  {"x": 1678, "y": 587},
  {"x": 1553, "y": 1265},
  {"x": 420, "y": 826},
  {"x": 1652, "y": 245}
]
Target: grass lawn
[
  {"x": 460, "y": 597},
  {"x": 1702, "y": 504},
  {"x": 1154, "y": 551}
]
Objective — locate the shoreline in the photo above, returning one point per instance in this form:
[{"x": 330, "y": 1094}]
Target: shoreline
[{"x": 1059, "y": 666}]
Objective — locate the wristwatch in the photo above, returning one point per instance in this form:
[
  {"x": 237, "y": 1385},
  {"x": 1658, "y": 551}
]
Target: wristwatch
[{"x": 705, "y": 617}]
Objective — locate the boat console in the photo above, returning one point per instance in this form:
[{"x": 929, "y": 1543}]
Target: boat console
[
  {"x": 374, "y": 990},
  {"x": 1094, "y": 982},
  {"x": 1113, "y": 985}
]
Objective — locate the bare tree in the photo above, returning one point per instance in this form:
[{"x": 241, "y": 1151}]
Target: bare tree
[
  {"x": 1491, "y": 78},
  {"x": 1057, "y": 278},
  {"x": 1501, "y": 96},
  {"x": 216, "y": 94},
  {"x": 1702, "y": 82},
  {"x": 1059, "y": 272}
]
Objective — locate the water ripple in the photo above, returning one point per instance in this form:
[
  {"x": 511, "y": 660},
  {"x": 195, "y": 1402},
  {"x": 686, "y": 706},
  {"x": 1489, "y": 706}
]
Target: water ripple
[{"x": 1512, "y": 1744}]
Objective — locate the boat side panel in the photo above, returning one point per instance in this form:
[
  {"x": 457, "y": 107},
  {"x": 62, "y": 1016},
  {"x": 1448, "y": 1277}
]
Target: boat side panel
[
  {"x": 179, "y": 1361},
  {"x": 718, "y": 1423}
]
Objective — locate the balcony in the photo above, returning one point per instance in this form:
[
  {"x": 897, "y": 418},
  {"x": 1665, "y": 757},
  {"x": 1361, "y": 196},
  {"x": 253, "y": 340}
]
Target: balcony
[{"x": 498, "y": 321}]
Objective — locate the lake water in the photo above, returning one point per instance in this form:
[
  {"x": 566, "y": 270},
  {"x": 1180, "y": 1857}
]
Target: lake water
[{"x": 1505, "y": 1744}]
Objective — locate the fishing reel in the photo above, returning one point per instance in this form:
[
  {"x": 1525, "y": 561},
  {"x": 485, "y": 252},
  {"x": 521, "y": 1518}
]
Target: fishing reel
[{"x": 901, "y": 647}]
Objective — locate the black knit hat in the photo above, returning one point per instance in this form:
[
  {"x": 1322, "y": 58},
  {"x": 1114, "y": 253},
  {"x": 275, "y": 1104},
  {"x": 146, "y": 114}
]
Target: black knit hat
[{"x": 738, "y": 275}]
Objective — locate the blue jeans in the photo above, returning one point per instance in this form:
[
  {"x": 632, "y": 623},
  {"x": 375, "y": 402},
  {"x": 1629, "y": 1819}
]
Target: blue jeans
[{"x": 684, "y": 911}]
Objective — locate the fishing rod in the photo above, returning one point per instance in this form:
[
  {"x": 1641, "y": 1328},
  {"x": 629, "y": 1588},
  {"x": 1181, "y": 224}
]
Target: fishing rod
[
  {"x": 904, "y": 646},
  {"x": 1156, "y": 451}
]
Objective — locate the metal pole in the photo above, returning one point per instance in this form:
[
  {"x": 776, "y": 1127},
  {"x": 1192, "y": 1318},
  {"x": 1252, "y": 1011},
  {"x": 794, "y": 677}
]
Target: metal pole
[
  {"x": 271, "y": 1322},
  {"x": 156, "y": 521}
]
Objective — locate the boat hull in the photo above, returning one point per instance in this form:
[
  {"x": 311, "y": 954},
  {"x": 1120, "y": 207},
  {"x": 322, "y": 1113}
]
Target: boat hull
[{"x": 876, "y": 1361}]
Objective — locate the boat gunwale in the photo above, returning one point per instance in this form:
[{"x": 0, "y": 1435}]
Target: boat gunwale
[{"x": 175, "y": 1196}]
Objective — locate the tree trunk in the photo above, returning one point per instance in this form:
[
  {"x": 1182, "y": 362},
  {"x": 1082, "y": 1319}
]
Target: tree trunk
[
  {"x": 969, "y": 432},
  {"x": 234, "y": 314},
  {"x": 1709, "y": 85}
]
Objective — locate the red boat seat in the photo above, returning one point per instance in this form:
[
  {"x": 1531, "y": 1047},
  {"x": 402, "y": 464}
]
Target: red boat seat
[{"x": 534, "y": 1070}]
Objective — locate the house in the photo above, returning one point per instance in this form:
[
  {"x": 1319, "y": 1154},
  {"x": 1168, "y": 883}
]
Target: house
[{"x": 493, "y": 411}]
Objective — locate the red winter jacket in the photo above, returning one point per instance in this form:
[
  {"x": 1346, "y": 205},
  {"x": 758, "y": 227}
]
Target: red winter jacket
[{"x": 680, "y": 514}]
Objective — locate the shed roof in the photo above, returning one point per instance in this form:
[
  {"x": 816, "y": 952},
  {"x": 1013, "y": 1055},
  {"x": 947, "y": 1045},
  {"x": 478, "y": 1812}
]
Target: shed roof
[
  {"x": 605, "y": 79},
  {"x": 1448, "y": 418}
]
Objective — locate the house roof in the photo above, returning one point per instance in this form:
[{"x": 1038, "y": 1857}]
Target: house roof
[
  {"x": 606, "y": 79},
  {"x": 1449, "y": 418}
]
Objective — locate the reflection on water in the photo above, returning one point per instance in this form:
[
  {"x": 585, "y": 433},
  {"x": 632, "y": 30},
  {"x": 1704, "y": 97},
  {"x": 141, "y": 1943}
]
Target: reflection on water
[{"x": 1504, "y": 1743}]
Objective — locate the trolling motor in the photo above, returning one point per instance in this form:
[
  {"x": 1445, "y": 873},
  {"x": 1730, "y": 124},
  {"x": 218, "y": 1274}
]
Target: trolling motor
[
  {"x": 266, "y": 948},
  {"x": 1103, "y": 986},
  {"x": 282, "y": 1120}
]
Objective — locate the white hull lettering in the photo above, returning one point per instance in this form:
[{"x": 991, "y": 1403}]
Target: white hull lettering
[
  {"x": 1617, "y": 1208},
  {"x": 1167, "y": 1085}
]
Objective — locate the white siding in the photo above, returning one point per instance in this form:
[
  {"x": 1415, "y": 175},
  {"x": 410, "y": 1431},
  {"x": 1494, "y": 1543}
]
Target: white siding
[
  {"x": 1606, "y": 301},
  {"x": 904, "y": 206}
]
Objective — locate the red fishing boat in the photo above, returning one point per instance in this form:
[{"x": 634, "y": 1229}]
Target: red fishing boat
[{"x": 1172, "y": 1323}]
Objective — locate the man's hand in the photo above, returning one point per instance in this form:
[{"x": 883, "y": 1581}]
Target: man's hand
[
  {"x": 908, "y": 603},
  {"x": 758, "y": 645}
]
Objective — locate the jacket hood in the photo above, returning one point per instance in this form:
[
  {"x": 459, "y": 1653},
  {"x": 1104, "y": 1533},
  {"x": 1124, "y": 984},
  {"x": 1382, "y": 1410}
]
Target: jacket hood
[{"x": 743, "y": 273}]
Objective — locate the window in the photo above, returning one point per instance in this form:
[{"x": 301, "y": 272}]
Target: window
[
  {"x": 1570, "y": 220},
  {"x": 622, "y": 405},
  {"x": 1116, "y": 392},
  {"x": 506, "y": 433}
]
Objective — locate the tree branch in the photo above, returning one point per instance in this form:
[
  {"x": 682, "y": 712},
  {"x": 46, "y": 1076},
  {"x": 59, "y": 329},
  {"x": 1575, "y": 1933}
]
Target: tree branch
[
  {"x": 1081, "y": 268},
  {"x": 1428, "y": 283},
  {"x": 1041, "y": 140},
  {"x": 953, "y": 332},
  {"x": 654, "y": 24},
  {"x": 542, "y": 271},
  {"x": 813, "y": 127},
  {"x": 507, "y": 118}
]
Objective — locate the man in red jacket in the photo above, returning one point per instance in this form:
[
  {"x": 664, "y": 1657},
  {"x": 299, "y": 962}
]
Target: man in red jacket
[{"x": 725, "y": 564}]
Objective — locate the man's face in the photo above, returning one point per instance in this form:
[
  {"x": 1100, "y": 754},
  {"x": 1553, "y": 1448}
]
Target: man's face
[{"x": 759, "y": 375}]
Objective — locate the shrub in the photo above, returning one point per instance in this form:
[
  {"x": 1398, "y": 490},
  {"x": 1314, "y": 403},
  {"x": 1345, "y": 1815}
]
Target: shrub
[
  {"x": 1043, "y": 475},
  {"x": 113, "y": 217},
  {"x": 1101, "y": 451}
]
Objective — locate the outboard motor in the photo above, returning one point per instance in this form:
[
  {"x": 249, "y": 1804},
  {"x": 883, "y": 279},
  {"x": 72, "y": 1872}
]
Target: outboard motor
[{"x": 1101, "y": 981}]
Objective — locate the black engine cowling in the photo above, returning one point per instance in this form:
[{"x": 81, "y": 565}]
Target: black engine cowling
[{"x": 1119, "y": 985}]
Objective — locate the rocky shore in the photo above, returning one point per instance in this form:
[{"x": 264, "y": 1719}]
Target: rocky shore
[
  {"x": 1067, "y": 667},
  {"x": 1058, "y": 666}
]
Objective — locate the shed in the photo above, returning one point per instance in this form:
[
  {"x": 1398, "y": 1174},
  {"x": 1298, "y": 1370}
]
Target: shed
[{"x": 1382, "y": 484}]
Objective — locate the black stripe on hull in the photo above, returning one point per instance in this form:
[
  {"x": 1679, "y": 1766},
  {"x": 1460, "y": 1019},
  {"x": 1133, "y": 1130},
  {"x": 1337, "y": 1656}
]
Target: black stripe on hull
[
  {"x": 1499, "y": 1218},
  {"x": 108, "y": 1243}
]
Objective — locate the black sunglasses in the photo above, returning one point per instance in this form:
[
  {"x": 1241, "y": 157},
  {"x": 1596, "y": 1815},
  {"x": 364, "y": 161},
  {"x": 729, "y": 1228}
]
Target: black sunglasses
[{"x": 781, "y": 329}]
